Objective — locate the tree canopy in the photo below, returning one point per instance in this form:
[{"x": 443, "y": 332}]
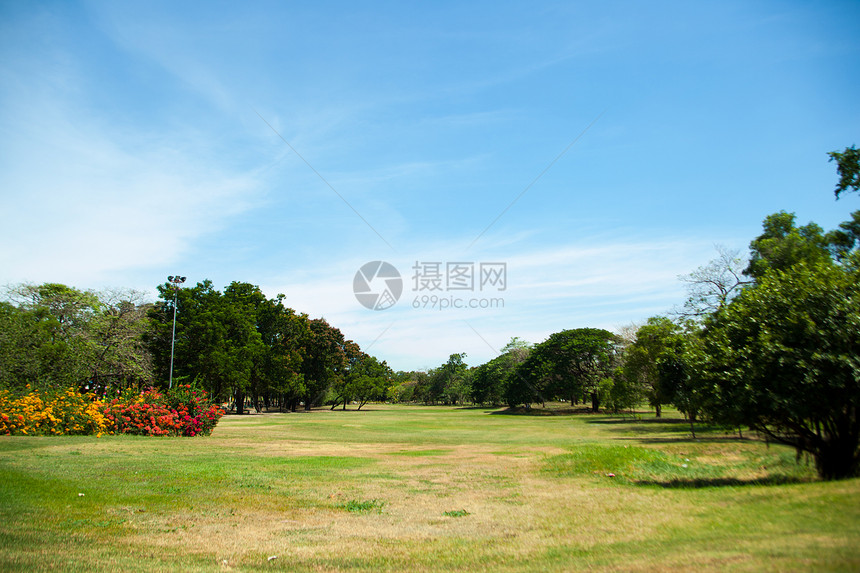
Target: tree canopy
[
  {"x": 570, "y": 364},
  {"x": 783, "y": 360},
  {"x": 848, "y": 167}
]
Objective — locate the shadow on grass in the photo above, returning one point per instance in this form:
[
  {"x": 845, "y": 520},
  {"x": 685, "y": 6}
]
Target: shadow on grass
[
  {"x": 631, "y": 420},
  {"x": 543, "y": 411},
  {"x": 698, "y": 483}
]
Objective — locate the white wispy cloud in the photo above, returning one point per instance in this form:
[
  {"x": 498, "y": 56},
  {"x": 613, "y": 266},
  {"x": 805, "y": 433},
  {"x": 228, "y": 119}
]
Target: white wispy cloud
[{"x": 83, "y": 198}]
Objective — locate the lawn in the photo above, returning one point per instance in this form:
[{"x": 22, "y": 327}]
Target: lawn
[{"x": 422, "y": 489}]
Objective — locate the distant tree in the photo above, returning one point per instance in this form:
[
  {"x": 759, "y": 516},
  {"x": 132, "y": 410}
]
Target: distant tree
[
  {"x": 711, "y": 287},
  {"x": 217, "y": 341},
  {"x": 59, "y": 336},
  {"x": 243, "y": 305},
  {"x": 570, "y": 364},
  {"x": 283, "y": 332},
  {"x": 117, "y": 334},
  {"x": 782, "y": 359},
  {"x": 490, "y": 380},
  {"x": 654, "y": 341},
  {"x": 367, "y": 380},
  {"x": 423, "y": 386},
  {"x": 324, "y": 359},
  {"x": 403, "y": 387},
  {"x": 29, "y": 354},
  {"x": 451, "y": 381},
  {"x": 848, "y": 167}
]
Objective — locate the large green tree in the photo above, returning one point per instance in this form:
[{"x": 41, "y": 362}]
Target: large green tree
[
  {"x": 217, "y": 341},
  {"x": 366, "y": 379},
  {"x": 283, "y": 332},
  {"x": 570, "y": 365},
  {"x": 782, "y": 358}
]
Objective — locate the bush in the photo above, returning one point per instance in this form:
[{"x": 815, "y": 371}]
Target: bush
[
  {"x": 184, "y": 411},
  {"x": 65, "y": 412}
]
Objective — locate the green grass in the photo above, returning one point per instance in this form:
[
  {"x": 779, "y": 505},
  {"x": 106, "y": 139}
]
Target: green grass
[
  {"x": 357, "y": 506},
  {"x": 461, "y": 489}
]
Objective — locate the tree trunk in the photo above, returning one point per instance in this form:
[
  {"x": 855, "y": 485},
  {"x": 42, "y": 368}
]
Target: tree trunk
[
  {"x": 837, "y": 459},
  {"x": 240, "y": 402},
  {"x": 659, "y": 409},
  {"x": 595, "y": 402}
]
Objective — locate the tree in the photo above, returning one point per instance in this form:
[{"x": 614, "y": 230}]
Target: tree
[
  {"x": 846, "y": 239},
  {"x": 323, "y": 360},
  {"x": 848, "y": 167},
  {"x": 711, "y": 287},
  {"x": 26, "y": 349},
  {"x": 782, "y": 359},
  {"x": 244, "y": 352},
  {"x": 60, "y": 336},
  {"x": 654, "y": 342},
  {"x": 283, "y": 331},
  {"x": 570, "y": 364},
  {"x": 217, "y": 341},
  {"x": 782, "y": 245},
  {"x": 456, "y": 379},
  {"x": 450, "y": 382},
  {"x": 367, "y": 380},
  {"x": 490, "y": 381},
  {"x": 117, "y": 334}
]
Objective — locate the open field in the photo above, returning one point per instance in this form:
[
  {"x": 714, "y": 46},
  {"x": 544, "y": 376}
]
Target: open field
[{"x": 422, "y": 489}]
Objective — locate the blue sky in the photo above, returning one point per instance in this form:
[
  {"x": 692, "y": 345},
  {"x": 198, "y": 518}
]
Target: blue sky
[{"x": 286, "y": 144}]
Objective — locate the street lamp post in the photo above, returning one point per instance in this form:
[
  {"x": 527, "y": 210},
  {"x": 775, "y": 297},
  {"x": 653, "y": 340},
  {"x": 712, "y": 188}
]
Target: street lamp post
[{"x": 176, "y": 282}]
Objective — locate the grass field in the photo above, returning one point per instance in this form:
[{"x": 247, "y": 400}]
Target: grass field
[{"x": 422, "y": 489}]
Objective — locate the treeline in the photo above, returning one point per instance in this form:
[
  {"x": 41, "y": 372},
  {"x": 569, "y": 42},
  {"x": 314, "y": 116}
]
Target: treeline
[
  {"x": 237, "y": 345},
  {"x": 240, "y": 344}
]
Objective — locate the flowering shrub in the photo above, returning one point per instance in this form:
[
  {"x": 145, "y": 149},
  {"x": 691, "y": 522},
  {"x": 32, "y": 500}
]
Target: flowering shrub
[
  {"x": 182, "y": 412},
  {"x": 63, "y": 413}
]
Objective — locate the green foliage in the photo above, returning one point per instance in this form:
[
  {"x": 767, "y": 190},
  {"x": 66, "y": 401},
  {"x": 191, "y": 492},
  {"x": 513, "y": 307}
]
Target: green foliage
[
  {"x": 782, "y": 245},
  {"x": 782, "y": 359},
  {"x": 324, "y": 360},
  {"x": 365, "y": 379},
  {"x": 455, "y": 513},
  {"x": 845, "y": 240},
  {"x": 568, "y": 365},
  {"x": 358, "y": 506},
  {"x": 58, "y": 336},
  {"x": 450, "y": 383},
  {"x": 234, "y": 343},
  {"x": 491, "y": 380},
  {"x": 656, "y": 341},
  {"x": 848, "y": 166}
]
